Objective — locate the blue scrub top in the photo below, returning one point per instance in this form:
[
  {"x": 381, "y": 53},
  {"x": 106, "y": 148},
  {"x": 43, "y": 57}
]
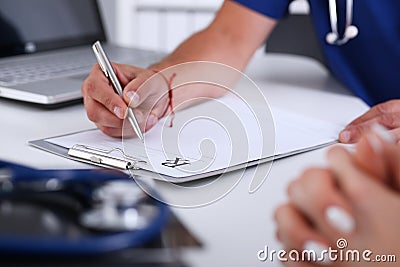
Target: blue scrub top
[{"x": 369, "y": 65}]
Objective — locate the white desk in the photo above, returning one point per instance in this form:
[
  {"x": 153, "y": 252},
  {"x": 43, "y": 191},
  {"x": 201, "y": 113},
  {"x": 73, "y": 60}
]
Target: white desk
[{"x": 234, "y": 228}]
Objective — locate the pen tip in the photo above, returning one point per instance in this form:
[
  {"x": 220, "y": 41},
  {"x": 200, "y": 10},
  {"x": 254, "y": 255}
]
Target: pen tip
[{"x": 141, "y": 137}]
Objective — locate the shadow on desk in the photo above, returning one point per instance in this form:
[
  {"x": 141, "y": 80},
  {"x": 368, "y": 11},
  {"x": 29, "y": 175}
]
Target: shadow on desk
[
  {"x": 24, "y": 104},
  {"x": 163, "y": 251}
]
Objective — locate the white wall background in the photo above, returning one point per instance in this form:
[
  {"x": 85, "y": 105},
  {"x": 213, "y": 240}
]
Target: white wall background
[
  {"x": 108, "y": 12},
  {"x": 161, "y": 24}
]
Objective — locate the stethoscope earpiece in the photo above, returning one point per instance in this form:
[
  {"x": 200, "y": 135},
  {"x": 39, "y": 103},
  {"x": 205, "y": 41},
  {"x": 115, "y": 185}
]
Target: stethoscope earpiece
[
  {"x": 331, "y": 38},
  {"x": 351, "y": 30}
]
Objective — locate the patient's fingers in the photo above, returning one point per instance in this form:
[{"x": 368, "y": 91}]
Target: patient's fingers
[
  {"x": 356, "y": 184},
  {"x": 378, "y": 155},
  {"x": 369, "y": 157},
  {"x": 293, "y": 228},
  {"x": 317, "y": 196}
]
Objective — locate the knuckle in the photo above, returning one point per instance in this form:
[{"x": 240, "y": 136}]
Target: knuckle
[
  {"x": 311, "y": 182},
  {"x": 100, "y": 127},
  {"x": 147, "y": 74},
  {"x": 91, "y": 114},
  {"x": 112, "y": 132},
  {"x": 280, "y": 212},
  {"x": 384, "y": 107},
  {"x": 309, "y": 174},
  {"x": 304, "y": 173},
  {"x": 291, "y": 187},
  {"x": 84, "y": 87},
  {"x": 388, "y": 120},
  {"x": 88, "y": 87},
  {"x": 357, "y": 192},
  {"x": 107, "y": 101},
  {"x": 95, "y": 68},
  {"x": 292, "y": 231},
  {"x": 357, "y": 130},
  {"x": 107, "y": 131}
]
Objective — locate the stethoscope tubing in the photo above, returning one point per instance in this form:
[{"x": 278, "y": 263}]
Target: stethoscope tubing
[{"x": 102, "y": 243}]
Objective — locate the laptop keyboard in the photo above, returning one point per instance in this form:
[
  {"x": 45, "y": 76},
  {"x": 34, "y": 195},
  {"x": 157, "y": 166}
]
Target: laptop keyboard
[{"x": 44, "y": 67}]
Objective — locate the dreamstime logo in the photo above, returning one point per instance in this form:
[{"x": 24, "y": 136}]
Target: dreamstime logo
[
  {"x": 210, "y": 135},
  {"x": 325, "y": 256},
  {"x": 341, "y": 243}
]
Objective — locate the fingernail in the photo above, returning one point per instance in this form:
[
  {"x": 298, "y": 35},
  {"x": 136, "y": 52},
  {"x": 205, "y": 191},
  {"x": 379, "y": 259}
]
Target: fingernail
[
  {"x": 340, "y": 219},
  {"x": 151, "y": 121},
  {"x": 345, "y": 136},
  {"x": 319, "y": 250},
  {"x": 118, "y": 112},
  {"x": 383, "y": 133},
  {"x": 133, "y": 98}
]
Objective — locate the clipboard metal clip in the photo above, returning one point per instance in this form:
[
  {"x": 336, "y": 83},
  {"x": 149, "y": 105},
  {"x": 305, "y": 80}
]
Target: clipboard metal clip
[{"x": 104, "y": 157}]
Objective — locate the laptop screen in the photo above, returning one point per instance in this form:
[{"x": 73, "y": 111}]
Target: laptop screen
[{"x": 28, "y": 26}]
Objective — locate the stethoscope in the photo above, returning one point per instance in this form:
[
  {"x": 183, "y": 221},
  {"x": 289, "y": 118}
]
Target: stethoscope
[
  {"x": 75, "y": 211},
  {"x": 350, "y": 32}
]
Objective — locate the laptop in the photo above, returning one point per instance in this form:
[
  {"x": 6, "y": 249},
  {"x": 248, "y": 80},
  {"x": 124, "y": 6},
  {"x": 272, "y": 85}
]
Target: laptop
[{"x": 45, "y": 49}]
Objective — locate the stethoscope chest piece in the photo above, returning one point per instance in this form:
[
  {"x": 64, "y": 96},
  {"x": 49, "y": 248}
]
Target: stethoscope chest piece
[
  {"x": 75, "y": 212},
  {"x": 119, "y": 206}
]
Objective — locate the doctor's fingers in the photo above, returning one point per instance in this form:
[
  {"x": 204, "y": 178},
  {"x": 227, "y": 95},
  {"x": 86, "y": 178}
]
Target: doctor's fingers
[
  {"x": 317, "y": 196},
  {"x": 126, "y": 132},
  {"x": 99, "y": 89},
  {"x": 392, "y": 106},
  {"x": 126, "y": 73},
  {"x": 352, "y": 133},
  {"x": 100, "y": 115},
  {"x": 147, "y": 87},
  {"x": 110, "y": 124}
]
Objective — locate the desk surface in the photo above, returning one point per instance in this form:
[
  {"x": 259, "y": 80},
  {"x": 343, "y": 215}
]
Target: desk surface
[{"x": 234, "y": 228}]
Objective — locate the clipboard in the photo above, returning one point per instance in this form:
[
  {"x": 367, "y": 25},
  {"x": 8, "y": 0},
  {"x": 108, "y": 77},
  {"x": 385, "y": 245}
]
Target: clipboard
[
  {"x": 172, "y": 154},
  {"x": 102, "y": 158},
  {"x": 288, "y": 126},
  {"x": 129, "y": 164}
]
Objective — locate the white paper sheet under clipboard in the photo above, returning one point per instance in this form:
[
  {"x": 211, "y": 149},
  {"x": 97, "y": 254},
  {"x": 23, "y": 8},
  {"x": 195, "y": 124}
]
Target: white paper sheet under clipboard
[{"x": 203, "y": 149}]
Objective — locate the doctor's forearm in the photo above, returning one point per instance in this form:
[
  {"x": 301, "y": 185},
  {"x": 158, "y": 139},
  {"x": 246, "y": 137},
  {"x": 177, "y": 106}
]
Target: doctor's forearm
[{"x": 231, "y": 39}]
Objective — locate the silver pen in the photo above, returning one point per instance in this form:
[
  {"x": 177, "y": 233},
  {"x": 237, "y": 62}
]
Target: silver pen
[{"x": 110, "y": 74}]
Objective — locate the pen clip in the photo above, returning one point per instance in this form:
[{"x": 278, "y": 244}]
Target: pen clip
[{"x": 100, "y": 57}]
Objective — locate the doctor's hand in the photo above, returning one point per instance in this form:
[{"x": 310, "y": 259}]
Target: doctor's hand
[
  {"x": 350, "y": 201},
  {"x": 107, "y": 109},
  {"x": 386, "y": 114}
]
